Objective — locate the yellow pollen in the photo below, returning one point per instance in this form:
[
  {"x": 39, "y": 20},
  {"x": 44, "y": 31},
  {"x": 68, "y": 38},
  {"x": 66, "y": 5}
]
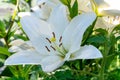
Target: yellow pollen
[{"x": 52, "y": 39}]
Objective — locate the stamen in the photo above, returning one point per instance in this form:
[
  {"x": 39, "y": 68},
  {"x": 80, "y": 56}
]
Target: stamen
[
  {"x": 31, "y": 10},
  {"x": 114, "y": 18},
  {"x": 53, "y": 34},
  {"x": 60, "y": 39},
  {"x": 39, "y": 6},
  {"x": 48, "y": 40},
  {"x": 43, "y": 3},
  {"x": 53, "y": 48},
  {"x": 60, "y": 44},
  {"x": 47, "y": 48}
]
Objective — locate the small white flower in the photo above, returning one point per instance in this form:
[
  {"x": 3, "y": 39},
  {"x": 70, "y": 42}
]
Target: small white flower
[
  {"x": 56, "y": 40},
  {"x": 84, "y": 5},
  {"x": 43, "y": 8},
  {"x": 106, "y": 7}
]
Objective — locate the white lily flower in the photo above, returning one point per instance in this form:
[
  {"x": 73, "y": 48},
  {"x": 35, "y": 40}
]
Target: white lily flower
[
  {"x": 84, "y": 5},
  {"x": 43, "y": 8},
  {"x": 55, "y": 41},
  {"x": 106, "y": 7}
]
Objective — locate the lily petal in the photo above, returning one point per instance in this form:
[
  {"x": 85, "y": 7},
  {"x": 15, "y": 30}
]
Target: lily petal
[
  {"x": 80, "y": 29},
  {"x": 76, "y": 30},
  {"x": 52, "y": 1},
  {"x": 58, "y": 19},
  {"x": 110, "y": 12},
  {"x": 42, "y": 13},
  {"x": 17, "y": 42},
  {"x": 19, "y": 45},
  {"x": 99, "y": 3},
  {"x": 51, "y": 63},
  {"x": 86, "y": 52},
  {"x": 42, "y": 45},
  {"x": 24, "y": 57},
  {"x": 43, "y": 9},
  {"x": 69, "y": 30},
  {"x": 34, "y": 27}
]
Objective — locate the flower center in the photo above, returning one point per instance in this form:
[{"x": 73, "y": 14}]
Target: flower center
[{"x": 56, "y": 46}]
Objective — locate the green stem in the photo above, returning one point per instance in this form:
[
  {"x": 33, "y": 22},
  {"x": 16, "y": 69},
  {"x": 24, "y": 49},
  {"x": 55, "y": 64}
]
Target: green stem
[
  {"x": 102, "y": 70},
  {"x": 12, "y": 21},
  {"x": 101, "y": 74},
  {"x": 6, "y": 42}
]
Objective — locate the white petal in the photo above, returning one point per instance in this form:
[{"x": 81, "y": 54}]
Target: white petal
[
  {"x": 74, "y": 32},
  {"x": 42, "y": 10},
  {"x": 100, "y": 3},
  {"x": 24, "y": 57},
  {"x": 40, "y": 43},
  {"x": 44, "y": 7},
  {"x": 69, "y": 30},
  {"x": 58, "y": 19},
  {"x": 34, "y": 27},
  {"x": 110, "y": 12},
  {"x": 55, "y": 1},
  {"x": 84, "y": 5},
  {"x": 51, "y": 63},
  {"x": 48, "y": 1},
  {"x": 20, "y": 45},
  {"x": 15, "y": 49},
  {"x": 17, "y": 42},
  {"x": 22, "y": 14},
  {"x": 86, "y": 52},
  {"x": 80, "y": 29},
  {"x": 41, "y": 1}
]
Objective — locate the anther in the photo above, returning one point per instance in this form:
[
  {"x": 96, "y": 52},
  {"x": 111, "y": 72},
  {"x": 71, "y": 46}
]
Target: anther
[
  {"x": 43, "y": 3},
  {"x": 48, "y": 40},
  {"x": 53, "y": 48},
  {"x": 60, "y": 39},
  {"x": 60, "y": 44},
  {"x": 31, "y": 10},
  {"x": 53, "y": 34},
  {"x": 39, "y": 6},
  {"x": 114, "y": 18},
  {"x": 47, "y": 48}
]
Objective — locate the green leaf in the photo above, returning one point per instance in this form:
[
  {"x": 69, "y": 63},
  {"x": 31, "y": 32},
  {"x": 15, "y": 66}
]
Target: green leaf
[
  {"x": 117, "y": 27},
  {"x": 88, "y": 32},
  {"x": 2, "y": 29},
  {"x": 10, "y": 35},
  {"x": 4, "y": 51},
  {"x": 64, "y": 75},
  {"x": 2, "y": 26},
  {"x": 66, "y": 2},
  {"x": 118, "y": 38},
  {"x": 18, "y": 36},
  {"x": 99, "y": 39},
  {"x": 11, "y": 1},
  {"x": 113, "y": 40},
  {"x": 101, "y": 31},
  {"x": 74, "y": 10},
  {"x": 2, "y": 58}
]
